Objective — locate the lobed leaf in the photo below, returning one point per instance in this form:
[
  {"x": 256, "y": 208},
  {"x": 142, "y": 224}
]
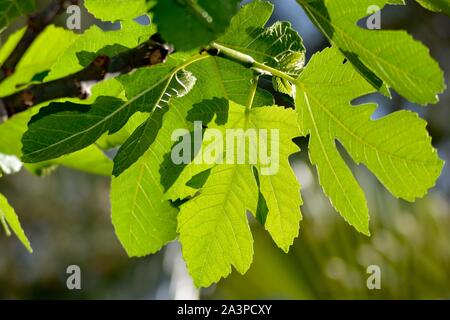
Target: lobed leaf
[
  {"x": 278, "y": 46},
  {"x": 152, "y": 173},
  {"x": 396, "y": 148},
  {"x": 212, "y": 226},
  {"x": 383, "y": 57}
]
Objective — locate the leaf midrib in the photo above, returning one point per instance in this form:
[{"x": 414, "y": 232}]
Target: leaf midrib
[
  {"x": 311, "y": 114},
  {"x": 127, "y": 103}
]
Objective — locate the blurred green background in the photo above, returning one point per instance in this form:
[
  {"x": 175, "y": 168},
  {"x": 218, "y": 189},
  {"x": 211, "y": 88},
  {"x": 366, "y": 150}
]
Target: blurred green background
[{"x": 67, "y": 218}]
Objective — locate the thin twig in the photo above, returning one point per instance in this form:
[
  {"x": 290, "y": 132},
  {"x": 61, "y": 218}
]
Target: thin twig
[{"x": 78, "y": 85}]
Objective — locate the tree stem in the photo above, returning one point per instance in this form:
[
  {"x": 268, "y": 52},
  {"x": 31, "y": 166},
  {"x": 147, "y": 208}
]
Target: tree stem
[
  {"x": 149, "y": 53},
  {"x": 235, "y": 55},
  {"x": 77, "y": 85},
  {"x": 249, "y": 61}
]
